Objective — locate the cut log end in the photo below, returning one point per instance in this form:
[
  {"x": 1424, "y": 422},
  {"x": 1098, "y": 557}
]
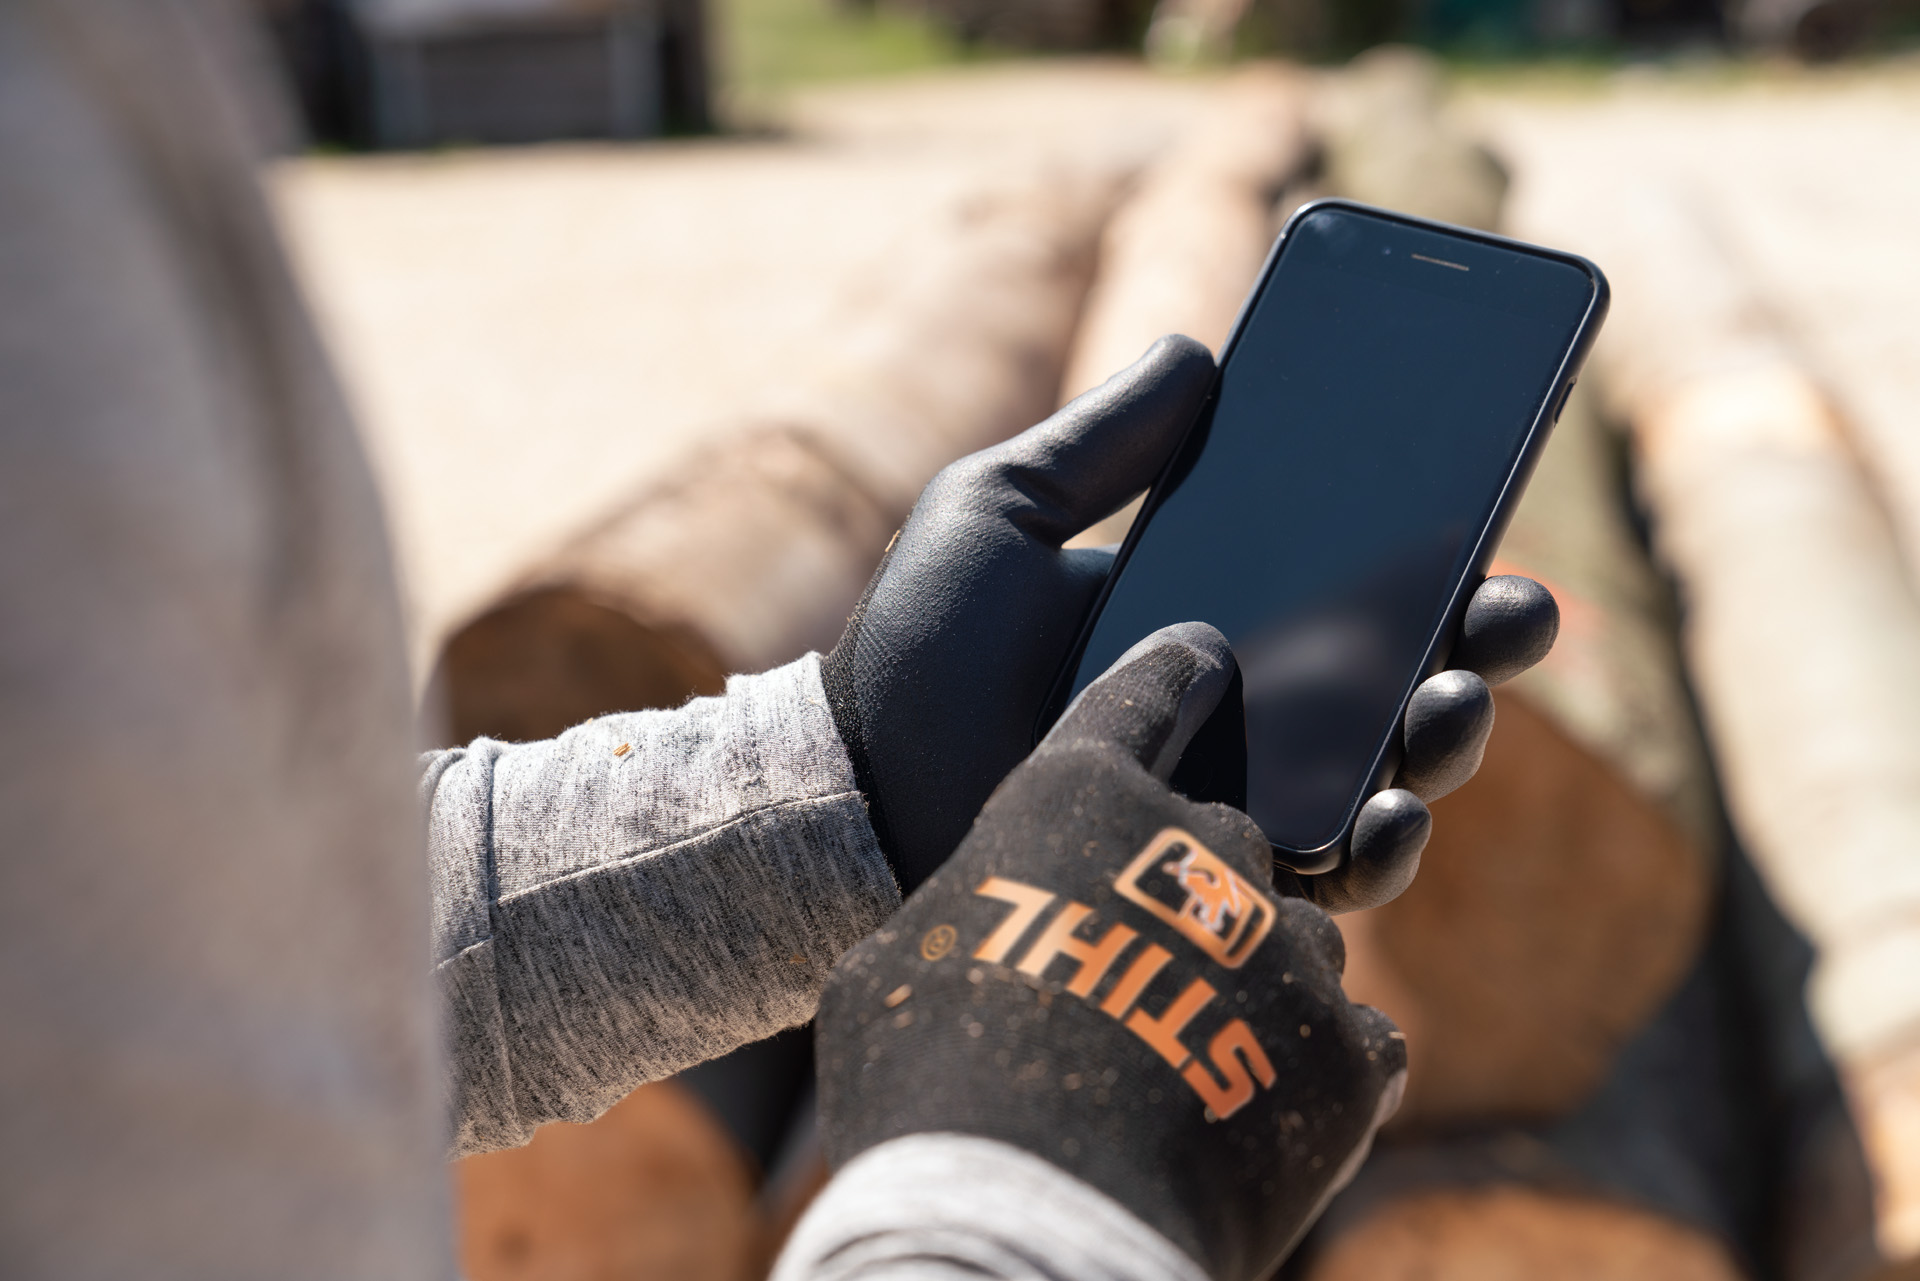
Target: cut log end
[
  {"x": 1556, "y": 908},
  {"x": 552, "y": 657}
]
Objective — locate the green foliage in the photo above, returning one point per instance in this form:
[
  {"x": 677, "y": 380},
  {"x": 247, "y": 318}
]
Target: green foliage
[{"x": 771, "y": 45}]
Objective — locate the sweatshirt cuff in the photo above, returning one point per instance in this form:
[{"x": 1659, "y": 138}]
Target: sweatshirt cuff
[
  {"x": 642, "y": 893},
  {"x": 957, "y": 1206}
]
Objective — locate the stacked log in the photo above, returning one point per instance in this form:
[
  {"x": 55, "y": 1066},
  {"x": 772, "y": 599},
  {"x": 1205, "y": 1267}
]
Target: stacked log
[
  {"x": 1510, "y": 1233},
  {"x": 1390, "y": 139},
  {"x": 753, "y": 551},
  {"x": 1801, "y": 627},
  {"x": 1182, "y": 252},
  {"x": 654, "y": 1188}
]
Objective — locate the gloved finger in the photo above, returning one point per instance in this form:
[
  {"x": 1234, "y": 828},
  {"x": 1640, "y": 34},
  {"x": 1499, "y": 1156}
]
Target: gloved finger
[
  {"x": 1085, "y": 462},
  {"x": 1448, "y": 721},
  {"x": 1154, "y": 698},
  {"x": 1511, "y": 623},
  {"x": 1382, "y": 858}
]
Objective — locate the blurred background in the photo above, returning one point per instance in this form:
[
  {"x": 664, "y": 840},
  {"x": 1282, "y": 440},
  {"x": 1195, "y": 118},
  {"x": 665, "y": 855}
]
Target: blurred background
[{"x": 659, "y": 313}]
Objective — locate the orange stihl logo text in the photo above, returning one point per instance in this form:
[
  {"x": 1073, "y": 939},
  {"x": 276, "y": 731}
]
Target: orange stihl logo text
[{"x": 1213, "y": 907}]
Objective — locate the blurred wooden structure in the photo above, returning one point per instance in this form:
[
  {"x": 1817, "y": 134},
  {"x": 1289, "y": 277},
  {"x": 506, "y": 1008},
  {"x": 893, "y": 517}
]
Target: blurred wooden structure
[
  {"x": 425, "y": 73},
  {"x": 1037, "y": 24}
]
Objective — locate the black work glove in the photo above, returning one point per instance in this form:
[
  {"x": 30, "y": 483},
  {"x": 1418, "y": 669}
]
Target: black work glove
[
  {"x": 1104, "y": 976},
  {"x": 938, "y": 682}
]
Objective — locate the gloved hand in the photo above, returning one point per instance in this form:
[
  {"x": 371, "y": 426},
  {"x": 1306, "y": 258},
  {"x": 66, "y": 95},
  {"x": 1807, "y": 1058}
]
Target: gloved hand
[
  {"x": 1104, "y": 976},
  {"x": 939, "y": 679}
]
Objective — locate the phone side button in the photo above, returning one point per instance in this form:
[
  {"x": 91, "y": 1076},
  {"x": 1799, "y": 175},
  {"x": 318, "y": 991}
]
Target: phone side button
[{"x": 1563, "y": 399}]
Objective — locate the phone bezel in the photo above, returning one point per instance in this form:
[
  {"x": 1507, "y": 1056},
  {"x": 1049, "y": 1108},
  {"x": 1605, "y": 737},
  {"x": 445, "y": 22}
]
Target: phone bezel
[{"x": 1326, "y": 857}]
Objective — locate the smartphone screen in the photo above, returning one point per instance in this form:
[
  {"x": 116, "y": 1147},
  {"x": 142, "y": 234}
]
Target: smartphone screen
[{"x": 1381, "y": 391}]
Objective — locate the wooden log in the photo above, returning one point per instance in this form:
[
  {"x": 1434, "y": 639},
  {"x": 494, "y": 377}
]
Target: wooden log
[
  {"x": 652, "y": 1189},
  {"x": 549, "y": 658},
  {"x": 1186, "y": 246},
  {"x": 968, "y": 340},
  {"x": 1801, "y": 628},
  {"x": 1390, "y": 139},
  {"x": 1613, "y": 681},
  {"x": 1556, "y": 907},
  {"x": 1510, "y": 1233},
  {"x": 751, "y": 552},
  {"x": 1182, "y": 251}
]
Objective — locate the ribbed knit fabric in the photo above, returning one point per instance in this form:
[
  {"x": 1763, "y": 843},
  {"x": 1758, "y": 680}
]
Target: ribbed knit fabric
[
  {"x": 956, "y": 1206},
  {"x": 645, "y": 891}
]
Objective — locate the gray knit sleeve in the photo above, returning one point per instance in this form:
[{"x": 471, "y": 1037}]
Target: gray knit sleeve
[
  {"x": 955, "y": 1207},
  {"x": 643, "y": 892}
]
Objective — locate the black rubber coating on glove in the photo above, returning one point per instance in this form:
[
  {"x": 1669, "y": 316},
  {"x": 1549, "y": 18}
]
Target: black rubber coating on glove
[
  {"x": 938, "y": 682},
  {"x": 1105, "y": 976},
  {"x": 1449, "y": 719},
  {"x": 1510, "y": 625}
]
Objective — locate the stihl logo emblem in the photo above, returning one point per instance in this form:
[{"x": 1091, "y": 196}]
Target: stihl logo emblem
[
  {"x": 1192, "y": 889},
  {"x": 1212, "y": 899}
]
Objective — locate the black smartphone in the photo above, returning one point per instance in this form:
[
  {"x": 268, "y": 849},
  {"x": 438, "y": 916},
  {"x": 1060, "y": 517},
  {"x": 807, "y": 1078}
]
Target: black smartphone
[{"x": 1381, "y": 401}]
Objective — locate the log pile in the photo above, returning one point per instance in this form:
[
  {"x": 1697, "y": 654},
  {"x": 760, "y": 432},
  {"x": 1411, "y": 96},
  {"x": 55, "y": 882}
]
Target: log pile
[
  {"x": 1801, "y": 625},
  {"x": 1569, "y": 890},
  {"x": 1179, "y": 255},
  {"x": 752, "y": 552},
  {"x": 1182, "y": 251}
]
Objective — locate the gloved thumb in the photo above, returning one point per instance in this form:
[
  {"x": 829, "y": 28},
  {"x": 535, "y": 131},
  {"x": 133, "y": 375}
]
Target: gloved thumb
[
  {"x": 1081, "y": 465},
  {"x": 1154, "y": 698}
]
